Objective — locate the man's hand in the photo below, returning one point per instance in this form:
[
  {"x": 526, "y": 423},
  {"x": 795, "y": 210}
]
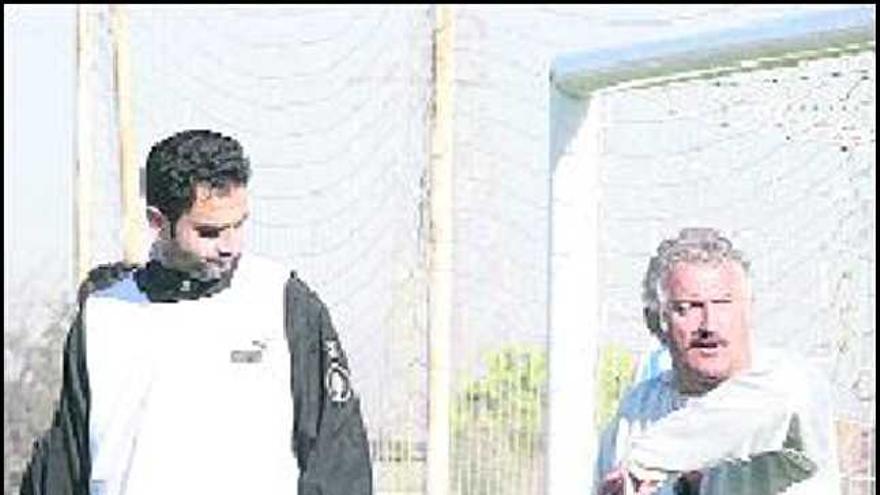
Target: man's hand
[
  {"x": 613, "y": 483},
  {"x": 621, "y": 482}
]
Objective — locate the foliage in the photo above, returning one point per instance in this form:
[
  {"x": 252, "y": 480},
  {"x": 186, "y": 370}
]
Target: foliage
[
  {"x": 498, "y": 423},
  {"x": 615, "y": 374},
  {"x": 512, "y": 389}
]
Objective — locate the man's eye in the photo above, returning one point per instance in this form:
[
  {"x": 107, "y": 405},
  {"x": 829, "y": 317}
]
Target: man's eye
[
  {"x": 209, "y": 233},
  {"x": 682, "y": 308}
]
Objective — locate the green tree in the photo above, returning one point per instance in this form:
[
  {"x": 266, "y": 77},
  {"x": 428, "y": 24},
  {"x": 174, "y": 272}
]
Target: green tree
[
  {"x": 615, "y": 374},
  {"x": 498, "y": 423}
]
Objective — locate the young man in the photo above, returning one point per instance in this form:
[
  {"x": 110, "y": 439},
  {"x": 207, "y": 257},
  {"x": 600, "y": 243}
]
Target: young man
[
  {"x": 727, "y": 418},
  {"x": 206, "y": 370}
]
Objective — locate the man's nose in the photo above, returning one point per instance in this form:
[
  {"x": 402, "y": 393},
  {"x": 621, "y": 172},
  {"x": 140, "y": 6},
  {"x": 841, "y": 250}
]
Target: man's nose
[
  {"x": 227, "y": 244},
  {"x": 706, "y": 321}
]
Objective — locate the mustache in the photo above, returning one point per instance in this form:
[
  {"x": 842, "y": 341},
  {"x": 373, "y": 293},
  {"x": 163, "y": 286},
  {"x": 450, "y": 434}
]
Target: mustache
[
  {"x": 223, "y": 260},
  {"x": 704, "y": 338}
]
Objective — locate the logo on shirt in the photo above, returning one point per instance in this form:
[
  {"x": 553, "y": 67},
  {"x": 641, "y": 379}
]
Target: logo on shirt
[
  {"x": 337, "y": 380},
  {"x": 248, "y": 355}
]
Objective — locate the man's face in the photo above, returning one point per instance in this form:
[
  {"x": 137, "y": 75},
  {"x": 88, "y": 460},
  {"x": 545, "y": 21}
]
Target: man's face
[
  {"x": 208, "y": 237},
  {"x": 707, "y": 312}
]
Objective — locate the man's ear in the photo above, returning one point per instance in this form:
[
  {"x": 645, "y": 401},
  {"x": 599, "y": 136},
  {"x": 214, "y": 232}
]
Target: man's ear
[
  {"x": 157, "y": 221},
  {"x": 652, "y": 320},
  {"x": 656, "y": 322}
]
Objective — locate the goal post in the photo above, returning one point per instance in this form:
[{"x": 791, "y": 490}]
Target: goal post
[{"x": 578, "y": 108}]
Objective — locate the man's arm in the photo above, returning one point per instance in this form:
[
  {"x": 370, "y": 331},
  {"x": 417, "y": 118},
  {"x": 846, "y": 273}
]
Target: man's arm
[
  {"x": 749, "y": 416},
  {"x": 60, "y": 463},
  {"x": 605, "y": 458},
  {"x": 328, "y": 432},
  {"x": 610, "y": 476}
]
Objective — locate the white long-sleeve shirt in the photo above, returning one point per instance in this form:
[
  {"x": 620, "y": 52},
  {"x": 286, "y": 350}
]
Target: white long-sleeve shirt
[
  {"x": 171, "y": 410},
  {"x": 767, "y": 430}
]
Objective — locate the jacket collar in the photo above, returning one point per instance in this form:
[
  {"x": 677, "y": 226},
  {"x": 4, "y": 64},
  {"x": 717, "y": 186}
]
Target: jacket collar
[{"x": 163, "y": 284}]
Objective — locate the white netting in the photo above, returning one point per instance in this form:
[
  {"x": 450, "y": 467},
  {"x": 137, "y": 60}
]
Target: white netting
[
  {"x": 333, "y": 105},
  {"x": 783, "y": 161}
]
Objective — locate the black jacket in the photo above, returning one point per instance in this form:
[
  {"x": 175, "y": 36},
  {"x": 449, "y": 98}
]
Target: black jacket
[{"x": 328, "y": 435}]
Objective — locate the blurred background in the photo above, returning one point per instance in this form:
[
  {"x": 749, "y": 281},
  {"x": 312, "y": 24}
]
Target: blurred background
[{"x": 352, "y": 117}]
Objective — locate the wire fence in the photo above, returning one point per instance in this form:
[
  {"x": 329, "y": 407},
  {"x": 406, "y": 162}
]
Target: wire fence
[
  {"x": 335, "y": 105},
  {"x": 783, "y": 160}
]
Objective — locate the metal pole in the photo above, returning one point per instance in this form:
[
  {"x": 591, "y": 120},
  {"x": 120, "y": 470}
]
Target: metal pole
[
  {"x": 86, "y": 20},
  {"x": 574, "y": 293},
  {"x": 133, "y": 204},
  {"x": 440, "y": 256}
]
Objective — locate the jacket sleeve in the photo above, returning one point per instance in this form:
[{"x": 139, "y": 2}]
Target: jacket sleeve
[
  {"x": 329, "y": 437},
  {"x": 60, "y": 463}
]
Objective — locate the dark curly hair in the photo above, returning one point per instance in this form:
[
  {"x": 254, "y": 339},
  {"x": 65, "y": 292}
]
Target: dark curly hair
[{"x": 178, "y": 163}]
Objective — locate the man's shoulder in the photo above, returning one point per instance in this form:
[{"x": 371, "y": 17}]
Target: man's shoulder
[
  {"x": 645, "y": 402},
  {"x": 298, "y": 287},
  {"x": 254, "y": 267},
  {"x": 792, "y": 371},
  {"x": 113, "y": 280},
  {"x": 646, "y": 398}
]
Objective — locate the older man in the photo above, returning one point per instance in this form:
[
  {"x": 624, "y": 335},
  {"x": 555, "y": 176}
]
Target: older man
[{"x": 727, "y": 418}]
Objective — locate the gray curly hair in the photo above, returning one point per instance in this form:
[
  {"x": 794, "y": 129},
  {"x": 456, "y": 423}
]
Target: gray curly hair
[{"x": 693, "y": 245}]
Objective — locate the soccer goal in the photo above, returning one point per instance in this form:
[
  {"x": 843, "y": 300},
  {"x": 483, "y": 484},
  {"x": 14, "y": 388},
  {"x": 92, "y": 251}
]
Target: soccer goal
[{"x": 766, "y": 132}]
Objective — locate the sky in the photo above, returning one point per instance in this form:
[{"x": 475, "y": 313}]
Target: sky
[{"x": 38, "y": 125}]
